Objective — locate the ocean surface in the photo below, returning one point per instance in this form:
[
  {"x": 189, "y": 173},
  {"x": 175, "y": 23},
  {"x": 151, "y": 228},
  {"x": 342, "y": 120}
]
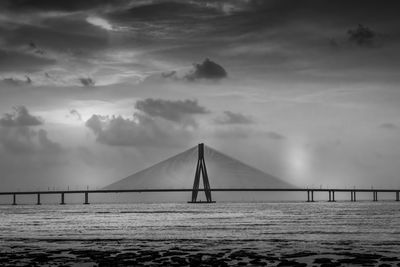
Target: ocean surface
[{"x": 321, "y": 227}]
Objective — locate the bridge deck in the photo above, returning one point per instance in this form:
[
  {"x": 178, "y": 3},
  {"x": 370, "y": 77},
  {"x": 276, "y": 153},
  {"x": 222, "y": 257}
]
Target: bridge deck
[
  {"x": 190, "y": 190},
  {"x": 309, "y": 191}
]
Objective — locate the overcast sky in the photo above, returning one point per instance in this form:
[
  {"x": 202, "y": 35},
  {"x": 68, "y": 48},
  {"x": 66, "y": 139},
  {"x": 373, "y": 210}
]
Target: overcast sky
[{"x": 93, "y": 91}]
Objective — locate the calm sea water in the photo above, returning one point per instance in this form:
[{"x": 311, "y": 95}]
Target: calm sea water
[{"x": 364, "y": 226}]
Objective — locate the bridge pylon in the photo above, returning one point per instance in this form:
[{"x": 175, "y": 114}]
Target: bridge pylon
[{"x": 201, "y": 170}]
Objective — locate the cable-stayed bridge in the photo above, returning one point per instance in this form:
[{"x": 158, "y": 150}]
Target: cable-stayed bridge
[{"x": 209, "y": 167}]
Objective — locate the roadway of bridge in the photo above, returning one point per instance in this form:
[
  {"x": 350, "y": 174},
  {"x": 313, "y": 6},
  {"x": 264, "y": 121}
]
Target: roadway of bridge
[
  {"x": 310, "y": 192},
  {"x": 190, "y": 190}
]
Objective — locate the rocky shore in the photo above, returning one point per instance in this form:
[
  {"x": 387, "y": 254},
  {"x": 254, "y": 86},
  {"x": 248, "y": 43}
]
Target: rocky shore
[{"x": 153, "y": 254}]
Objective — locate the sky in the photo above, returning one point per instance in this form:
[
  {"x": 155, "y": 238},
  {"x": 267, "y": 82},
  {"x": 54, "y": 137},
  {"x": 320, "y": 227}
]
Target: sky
[{"x": 93, "y": 91}]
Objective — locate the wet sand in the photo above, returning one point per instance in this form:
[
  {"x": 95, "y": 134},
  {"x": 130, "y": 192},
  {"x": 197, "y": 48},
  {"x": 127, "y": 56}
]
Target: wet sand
[{"x": 182, "y": 253}]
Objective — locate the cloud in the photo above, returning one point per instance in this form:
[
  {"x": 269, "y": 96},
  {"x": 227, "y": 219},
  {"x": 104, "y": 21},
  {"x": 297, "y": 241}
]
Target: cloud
[
  {"x": 139, "y": 131},
  {"x": 20, "y": 117},
  {"x": 49, "y": 5},
  {"x": 233, "y": 118},
  {"x": 169, "y": 74},
  {"x": 158, "y": 122},
  {"x": 100, "y": 22},
  {"x": 16, "y": 135},
  {"x": 275, "y": 136},
  {"x": 47, "y": 144},
  {"x": 166, "y": 11},
  {"x": 389, "y": 126},
  {"x": 17, "y": 81},
  {"x": 207, "y": 70},
  {"x": 76, "y": 114},
  {"x": 22, "y": 139},
  {"x": 176, "y": 111},
  {"x": 362, "y": 36},
  {"x": 87, "y": 82},
  {"x": 33, "y": 47},
  {"x": 24, "y": 62}
]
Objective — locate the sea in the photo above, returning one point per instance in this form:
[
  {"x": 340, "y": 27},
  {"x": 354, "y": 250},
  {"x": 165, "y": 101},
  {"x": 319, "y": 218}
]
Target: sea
[{"x": 282, "y": 228}]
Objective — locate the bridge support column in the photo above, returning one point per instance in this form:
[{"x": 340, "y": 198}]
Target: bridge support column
[
  {"x": 312, "y": 195},
  {"x": 38, "y": 200},
  {"x": 86, "y": 198},
  {"x": 308, "y": 195},
  {"x": 375, "y": 196},
  {"x": 330, "y": 197},
  {"x": 333, "y": 196},
  {"x": 14, "y": 199},
  {"x": 397, "y": 196},
  {"x": 62, "y": 199},
  {"x": 353, "y": 196}
]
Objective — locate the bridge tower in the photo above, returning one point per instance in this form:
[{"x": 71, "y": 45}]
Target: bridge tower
[{"x": 201, "y": 170}]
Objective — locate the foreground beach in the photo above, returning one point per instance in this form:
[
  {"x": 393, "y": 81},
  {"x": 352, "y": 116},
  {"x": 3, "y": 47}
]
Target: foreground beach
[
  {"x": 187, "y": 253},
  {"x": 220, "y": 234}
]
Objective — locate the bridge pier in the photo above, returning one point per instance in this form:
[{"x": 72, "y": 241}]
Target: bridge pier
[
  {"x": 397, "y": 196},
  {"x": 353, "y": 196},
  {"x": 86, "y": 198},
  {"x": 375, "y": 196},
  {"x": 310, "y": 195},
  {"x": 62, "y": 199},
  {"x": 14, "y": 199},
  {"x": 38, "y": 200},
  {"x": 331, "y": 195}
]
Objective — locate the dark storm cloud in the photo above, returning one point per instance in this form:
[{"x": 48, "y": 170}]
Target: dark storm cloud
[
  {"x": 140, "y": 131},
  {"x": 207, "y": 70},
  {"x": 20, "y": 61},
  {"x": 20, "y": 117},
  {"x": 233, "y": 118},
  {"x": 170, "y": 110},
  {"x": 87, "y": 82}
]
